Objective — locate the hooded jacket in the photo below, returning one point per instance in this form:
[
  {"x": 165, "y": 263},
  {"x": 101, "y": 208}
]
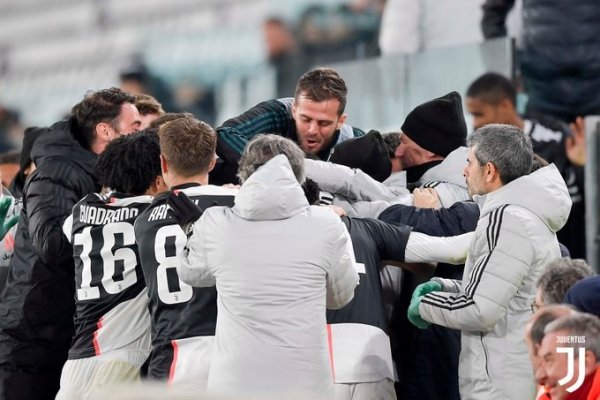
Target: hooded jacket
[
  {"x": 364, "y": 197},
  {"x": 560, "y": 57},
  {"x": 514, "y": 240},
  {"x": 37, "y": 305},
  {"x": 277, "y": 263}
]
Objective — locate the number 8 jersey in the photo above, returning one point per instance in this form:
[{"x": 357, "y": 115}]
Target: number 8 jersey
[
  {"x": 183, "y": 318},
  {"x": 111, "y": 297}
]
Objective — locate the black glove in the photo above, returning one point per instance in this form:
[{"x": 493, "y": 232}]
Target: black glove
[{"x": 183, "y": 209}]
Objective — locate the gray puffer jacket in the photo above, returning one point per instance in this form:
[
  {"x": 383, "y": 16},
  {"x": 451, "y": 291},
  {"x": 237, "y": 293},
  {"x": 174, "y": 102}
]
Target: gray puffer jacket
[{"x": 514, "y": 240}]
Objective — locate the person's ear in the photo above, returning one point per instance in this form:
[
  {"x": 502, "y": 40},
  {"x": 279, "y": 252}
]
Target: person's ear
[
  {"x": 591, "y": 362},
  {"x": 163, "y": 165},
  {"x": 212, "y": 164},
  {"x": 490, "y": 172},
  {"x": 102, "y": 130},
  {"x": 506, "y": 106},
  {"x": 341, "y": 121}
]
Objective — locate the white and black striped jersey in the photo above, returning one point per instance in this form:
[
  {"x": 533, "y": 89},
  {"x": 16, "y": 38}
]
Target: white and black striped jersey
[
  {"x": 111, "y": 302},
  {"x": 177, "y": 310},
  {"x": 358, "y": 335}
]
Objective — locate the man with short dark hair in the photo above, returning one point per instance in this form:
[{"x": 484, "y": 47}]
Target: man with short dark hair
[
  {"x": 514, "y": 240},
  {"x": 314, "y": 119},
  {"x": 112, "y": 323},
  {"x": 37, "y": 304},
  {"x": 491, "y": 99}
]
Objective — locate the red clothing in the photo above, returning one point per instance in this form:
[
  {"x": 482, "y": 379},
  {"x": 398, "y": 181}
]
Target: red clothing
[
  {"x": 594, "y": 393},
  {"x": 582, "y": 392}
]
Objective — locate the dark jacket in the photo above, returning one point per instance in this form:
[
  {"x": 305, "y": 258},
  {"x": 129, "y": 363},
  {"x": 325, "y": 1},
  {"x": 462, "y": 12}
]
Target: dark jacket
[
  {"x": 37, "y": 305},
  {"x": 560, "y": 59}
]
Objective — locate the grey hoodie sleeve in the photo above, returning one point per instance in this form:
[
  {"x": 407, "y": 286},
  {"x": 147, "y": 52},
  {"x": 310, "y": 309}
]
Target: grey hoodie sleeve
[
  {"x": 492, "y": 282},
  {"x": 193, "y": 267},
  {"x": 342, "y": 276},
  {"x": 351, "y": 183}
]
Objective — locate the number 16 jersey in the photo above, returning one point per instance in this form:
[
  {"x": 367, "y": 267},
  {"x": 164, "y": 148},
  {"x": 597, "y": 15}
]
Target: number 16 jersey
[{"x": 111, "y": 301}]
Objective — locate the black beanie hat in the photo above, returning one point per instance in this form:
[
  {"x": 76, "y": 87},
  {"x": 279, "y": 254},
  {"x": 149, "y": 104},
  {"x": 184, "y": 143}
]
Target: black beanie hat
[
  {"x": 438, "y": 125},
  {"x": 368, "y": 153}
]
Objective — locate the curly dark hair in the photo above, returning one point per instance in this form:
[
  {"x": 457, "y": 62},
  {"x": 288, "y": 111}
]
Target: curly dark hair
[
  {"x": 96, "y": 107},
  {"x": 320, "y": 84},
  {"x": 131, "y": 163}
]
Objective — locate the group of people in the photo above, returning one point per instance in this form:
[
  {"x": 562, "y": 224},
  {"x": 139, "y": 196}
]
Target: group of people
[{"x": 255, "y": 259}]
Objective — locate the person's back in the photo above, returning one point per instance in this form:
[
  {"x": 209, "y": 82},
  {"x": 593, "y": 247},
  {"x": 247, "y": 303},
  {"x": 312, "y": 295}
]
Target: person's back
[
  {"x": 37, "y": 302},
  {"x": 277, "y": 263},
  {"x": 183, "y": 318},
  {"x": 112, "y": 323},
  {"x": 359, "y": 334},
  {"x": 280, "y": 320}
]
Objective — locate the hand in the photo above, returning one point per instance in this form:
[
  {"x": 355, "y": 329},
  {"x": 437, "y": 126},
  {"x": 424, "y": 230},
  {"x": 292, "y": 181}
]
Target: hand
[
  {"x": 231, "y": 186},
  {"x": 414, "y": 316},
  {"x": 575, "y": 144},
  {"x": 337, "y": 209},
  {"x": 183, "y": 209},
  {"x": 426, "y": 198},
  {"x": 424, "y": 288},
  {"x": 6, "y": 224}
]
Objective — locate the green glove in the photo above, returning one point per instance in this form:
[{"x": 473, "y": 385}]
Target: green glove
[
  {"x": 424, "y": 288},
  {"x": 414, "y": 316},
  {"x": 5, "y": 224}
]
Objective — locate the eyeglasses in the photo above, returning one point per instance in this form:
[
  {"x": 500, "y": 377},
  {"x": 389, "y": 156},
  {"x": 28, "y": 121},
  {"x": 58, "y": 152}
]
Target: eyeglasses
[{"x": 535, "y": 306}]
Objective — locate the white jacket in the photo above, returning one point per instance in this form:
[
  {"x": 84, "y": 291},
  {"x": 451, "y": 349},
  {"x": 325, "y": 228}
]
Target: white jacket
[
  {"x": 277, "y": 263},
  {"x": 364, "y": 197},
  {"x": 514, "y": 240},
  {"x": 409, "y": 26}
]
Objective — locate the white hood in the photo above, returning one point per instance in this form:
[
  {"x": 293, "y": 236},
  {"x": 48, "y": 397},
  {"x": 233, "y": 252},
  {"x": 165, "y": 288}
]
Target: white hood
[
  {"x": 272, "y": 192},
  {"x": 450, "y": 169},
  {"x": 542, "y": 192}
]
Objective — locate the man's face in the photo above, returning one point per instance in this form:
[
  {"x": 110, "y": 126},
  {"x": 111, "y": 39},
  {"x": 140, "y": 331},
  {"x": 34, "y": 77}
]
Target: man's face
[
  {"x": 555, "y": 365},
  {"x": 474, "y": 175},
  {"x": 316, "y": 122},
  {"x": 146, "y": 120},
  {"x": 485, "y": 113},
  {"x": 129, "y": 121},
  {"x": 410, "y": 153}
]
